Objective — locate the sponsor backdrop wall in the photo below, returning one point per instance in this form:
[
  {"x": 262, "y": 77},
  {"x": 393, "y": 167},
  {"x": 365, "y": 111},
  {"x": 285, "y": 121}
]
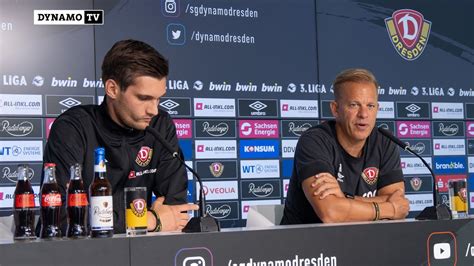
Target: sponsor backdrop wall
[{"x": 247, "y": 78}]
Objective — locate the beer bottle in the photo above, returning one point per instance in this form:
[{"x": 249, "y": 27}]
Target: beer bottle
[
  {"x": 76, "y": 204},
  {"x": 50, "y": 204},
  {"x": 23, "y": 206},
  {"x": 100, "y": 192}
]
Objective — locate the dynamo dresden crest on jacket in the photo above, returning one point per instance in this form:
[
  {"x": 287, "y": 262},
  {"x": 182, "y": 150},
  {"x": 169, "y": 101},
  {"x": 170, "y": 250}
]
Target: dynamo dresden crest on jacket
[
  {"x": 409, "y": 32},
  {"x": 144, "y": 156},
  {"x": 370, "y": 175}
]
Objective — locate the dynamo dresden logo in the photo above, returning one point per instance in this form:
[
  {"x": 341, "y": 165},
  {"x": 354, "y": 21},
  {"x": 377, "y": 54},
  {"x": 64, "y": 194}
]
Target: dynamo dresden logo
[
  {"x": 216, "y": 169},
  {"x": 409, "y": 32},
  {"x": 416, "y": 183},
  {"x": 144, "y": 156},
  {"x": 370, "y": 175}
]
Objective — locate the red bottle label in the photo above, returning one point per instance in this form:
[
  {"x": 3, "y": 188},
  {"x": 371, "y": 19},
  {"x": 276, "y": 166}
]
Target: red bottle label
[
  {"x": 51, "y": 200},
  {"x": 77, "y": 199},
  {"x": 24, "y": 201}
]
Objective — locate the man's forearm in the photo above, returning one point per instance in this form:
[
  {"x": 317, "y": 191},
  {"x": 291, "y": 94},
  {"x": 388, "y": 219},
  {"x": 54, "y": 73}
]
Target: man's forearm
[
  {"x": 378, "y": 199},
  {"x": 351, "y": 210}
]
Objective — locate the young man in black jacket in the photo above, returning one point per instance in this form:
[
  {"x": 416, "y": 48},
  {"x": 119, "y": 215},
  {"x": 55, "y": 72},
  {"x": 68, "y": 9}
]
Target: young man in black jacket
[{"x": 134, "y": 76}]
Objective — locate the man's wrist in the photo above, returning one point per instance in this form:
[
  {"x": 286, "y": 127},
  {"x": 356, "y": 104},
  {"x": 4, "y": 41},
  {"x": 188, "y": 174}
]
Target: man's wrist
[
  {"x": 349, "y": 195},
  {"x": 387, "y": 211},
  {"x": 157, "y": 221}
]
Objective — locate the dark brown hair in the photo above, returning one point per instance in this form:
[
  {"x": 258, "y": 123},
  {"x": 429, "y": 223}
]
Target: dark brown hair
[{"x": 129, "y": 59}]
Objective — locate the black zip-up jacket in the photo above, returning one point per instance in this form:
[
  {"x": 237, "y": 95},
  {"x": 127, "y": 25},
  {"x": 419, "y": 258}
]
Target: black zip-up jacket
[{"x": 135, "y": 158}]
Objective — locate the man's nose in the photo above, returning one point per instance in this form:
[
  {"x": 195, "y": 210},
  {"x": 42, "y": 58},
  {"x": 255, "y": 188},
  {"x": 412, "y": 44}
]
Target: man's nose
[
  {"x": 152, "y": 108},
  {"x": 363, "y": 112}
]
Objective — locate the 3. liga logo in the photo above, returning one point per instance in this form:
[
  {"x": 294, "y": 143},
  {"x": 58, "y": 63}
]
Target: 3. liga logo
[{"x": 408, "y": 32}]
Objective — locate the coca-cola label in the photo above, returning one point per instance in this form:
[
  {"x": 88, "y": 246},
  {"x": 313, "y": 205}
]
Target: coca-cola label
[
  {"x": 77, "y": 200},
  {"x": 51, "y": 200},
  {"x": 24, "y": 201},
  {"x": 101, "y": 213}
]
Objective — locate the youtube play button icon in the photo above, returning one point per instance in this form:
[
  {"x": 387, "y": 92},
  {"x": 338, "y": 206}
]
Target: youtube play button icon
[{"x": 442, "y": 251}]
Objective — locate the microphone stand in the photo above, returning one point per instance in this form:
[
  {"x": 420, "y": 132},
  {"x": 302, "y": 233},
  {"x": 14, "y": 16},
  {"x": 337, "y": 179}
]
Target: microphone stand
[
  {"x": 203, "y": 222},
  {"x": 438, "y": 211}
]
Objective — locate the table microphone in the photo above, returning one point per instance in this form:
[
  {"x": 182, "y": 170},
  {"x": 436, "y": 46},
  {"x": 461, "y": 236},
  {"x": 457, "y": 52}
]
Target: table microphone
[
  {"x": 438, "y": 211},
  {"x": 204, "y": 222}
]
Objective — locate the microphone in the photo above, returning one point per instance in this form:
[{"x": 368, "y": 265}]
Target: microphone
[
  {"x": 204, "y": 222},
  {"x": 438, "y": 211}
]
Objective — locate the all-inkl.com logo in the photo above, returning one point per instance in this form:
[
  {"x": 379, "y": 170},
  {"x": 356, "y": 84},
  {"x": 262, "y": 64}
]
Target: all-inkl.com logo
[{"x": 408, "y": 32}]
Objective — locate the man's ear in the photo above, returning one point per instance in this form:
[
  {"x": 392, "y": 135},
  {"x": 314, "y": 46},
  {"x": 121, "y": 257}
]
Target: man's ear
[
  {"x": 112, "y": 89},
  {"x": 333, "y": 105}
]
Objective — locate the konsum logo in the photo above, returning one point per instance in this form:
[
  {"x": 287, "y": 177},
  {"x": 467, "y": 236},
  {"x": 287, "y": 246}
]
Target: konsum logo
[{"x": 409, "y": 32}]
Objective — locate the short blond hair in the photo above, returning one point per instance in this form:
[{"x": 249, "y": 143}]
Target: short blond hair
[{"x": 358, "y": 75}]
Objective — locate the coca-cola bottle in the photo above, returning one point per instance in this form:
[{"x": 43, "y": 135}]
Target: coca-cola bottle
[
  {"x": 23, "y": 207},
  {"x": 76, "y": 204},
  {"x": 50, "y": 203},
  {"x": 100, "y": 192}
]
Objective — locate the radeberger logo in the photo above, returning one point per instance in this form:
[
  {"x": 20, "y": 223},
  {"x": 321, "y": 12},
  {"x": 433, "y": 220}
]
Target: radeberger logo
[
  {"x": 220, "y": 212},
  {"x": 409, "y": 32}
]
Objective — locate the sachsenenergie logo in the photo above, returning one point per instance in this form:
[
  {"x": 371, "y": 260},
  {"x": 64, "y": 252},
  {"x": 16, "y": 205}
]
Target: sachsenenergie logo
[{"x": 68, "y": 17}]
